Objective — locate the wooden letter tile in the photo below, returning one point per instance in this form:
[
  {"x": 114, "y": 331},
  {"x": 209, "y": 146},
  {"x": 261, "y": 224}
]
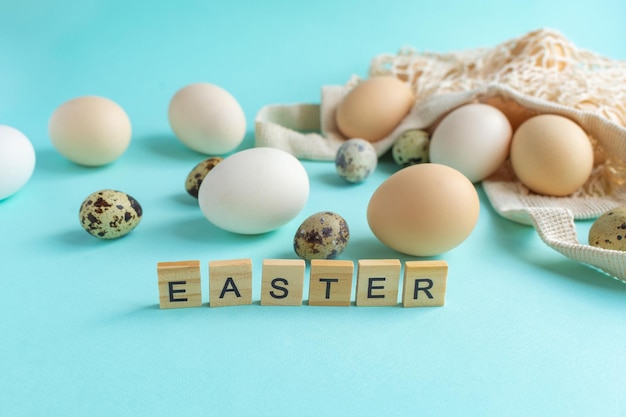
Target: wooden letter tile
[
  {"x": 330, "y": 282},
  {"x": 424, "y": 283},
  {"x": 282, "y": 282},
  {"x": 230, "y": 282},
  {"x": 377, "y": 282},
  {"x": 179, "y": 284}
]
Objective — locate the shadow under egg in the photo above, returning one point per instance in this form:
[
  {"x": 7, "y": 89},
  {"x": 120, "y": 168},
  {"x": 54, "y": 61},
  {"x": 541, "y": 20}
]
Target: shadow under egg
[
  {"x": 199, "y": 229},
  {"x": 81, "y": 238},
  {"x": 168, "y": 146},
  {"x": 185, "y": 199},
  {"x": 368, "y": 248},
  {"x": 50, "y": 164}
]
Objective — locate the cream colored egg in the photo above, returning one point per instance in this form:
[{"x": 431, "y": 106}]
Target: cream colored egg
[
  {"x": 207, "y": 118},
  {"x": 90, "y": 130},
  {"x": 424, "y": 210},
  {"x": 551, "y": 155},
  {"x": 473, "y": 139},
  {"x": 374, "y": 108}
]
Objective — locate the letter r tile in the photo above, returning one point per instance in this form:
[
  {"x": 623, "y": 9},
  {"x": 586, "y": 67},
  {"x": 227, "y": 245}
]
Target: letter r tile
[{"x": 424, "y": 283}]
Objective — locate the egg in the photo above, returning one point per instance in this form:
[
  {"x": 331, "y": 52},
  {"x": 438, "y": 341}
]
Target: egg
[
  {"x": 374, "y": 108},
  {"x": 254, "y": 191},
  {"x": 551, "y": 155},
  {"x": 411, "y": 148},
  {"x": 609, "y": 230},
  {"x": 17, "y": 160},
  {"x": 196, "y": 175},
  {"x": 514, "y": 112},
  {"x": 109, "y": 214},
  {"x": 424, "y": 210},
  {"x": 356, "y": 159},
  {"x": 207, "y": 118},
  {"x": 90, "y": 130},
  {"x": 474, "y": 139},
  {"x": 322, "y": 235}
]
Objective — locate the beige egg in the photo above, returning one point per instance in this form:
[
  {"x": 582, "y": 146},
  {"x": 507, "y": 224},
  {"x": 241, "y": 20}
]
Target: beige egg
[
  {"x": 609, "y": 230},
  {"x": 373, "y": 108},
  {"x": 551, "y": 155},
  {"x": 424, "y": 210},
  {"x": 207, "y": 118},
  {"x": 90, "y": 130}
]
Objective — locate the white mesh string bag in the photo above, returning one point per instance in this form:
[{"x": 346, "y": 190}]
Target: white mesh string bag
[{"x": 539, "y": 73}]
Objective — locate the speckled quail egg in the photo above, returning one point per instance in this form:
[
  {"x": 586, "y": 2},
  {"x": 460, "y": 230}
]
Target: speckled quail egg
[
  {"x": 411, "y": 148},
  {"x": 197, "y": 174},
  {"x": 356, "y": 159},
  {"x": 109, "y": 214},
  {"x": 323, "y": 235},
  {"x": 609, "y": 230}
]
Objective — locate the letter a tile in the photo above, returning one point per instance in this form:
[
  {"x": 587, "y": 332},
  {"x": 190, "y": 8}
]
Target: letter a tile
[{"x": 230, "y": 282}]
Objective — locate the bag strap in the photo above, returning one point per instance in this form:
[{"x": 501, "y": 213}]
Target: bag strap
[{"x": 556, "y": 228}]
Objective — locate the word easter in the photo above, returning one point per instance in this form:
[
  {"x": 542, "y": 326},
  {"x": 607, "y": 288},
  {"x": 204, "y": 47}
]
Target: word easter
[{"x": 330, "y": 283}]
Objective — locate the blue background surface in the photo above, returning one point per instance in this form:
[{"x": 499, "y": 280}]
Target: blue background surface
[{"x": 525, "y": 331}]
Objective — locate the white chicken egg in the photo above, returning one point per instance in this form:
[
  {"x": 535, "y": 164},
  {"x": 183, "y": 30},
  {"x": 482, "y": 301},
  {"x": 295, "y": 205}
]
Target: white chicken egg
[
  {"x": 254, "y": 191},
  {"x": 17, "y": 160},
  {"x": 474, "y": 139}
]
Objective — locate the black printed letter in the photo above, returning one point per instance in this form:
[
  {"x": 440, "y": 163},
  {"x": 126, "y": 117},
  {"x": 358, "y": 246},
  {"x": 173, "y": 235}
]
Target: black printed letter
[
  {"x": 417, "y": 289},
  {"x": 284, "y": 290},
  {"x": 328, "y": 281},
  {"x": 230, "y": 282},
  {"x": 371, "y": 287},
  {"x": 170, "y": 286}
]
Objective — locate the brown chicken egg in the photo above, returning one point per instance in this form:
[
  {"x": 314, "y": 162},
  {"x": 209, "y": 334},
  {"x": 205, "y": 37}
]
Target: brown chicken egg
[
  {"x": 551, "y": 155},
  {"x": 424, "y": 210},
  {"x": 374, "y": 108}
]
